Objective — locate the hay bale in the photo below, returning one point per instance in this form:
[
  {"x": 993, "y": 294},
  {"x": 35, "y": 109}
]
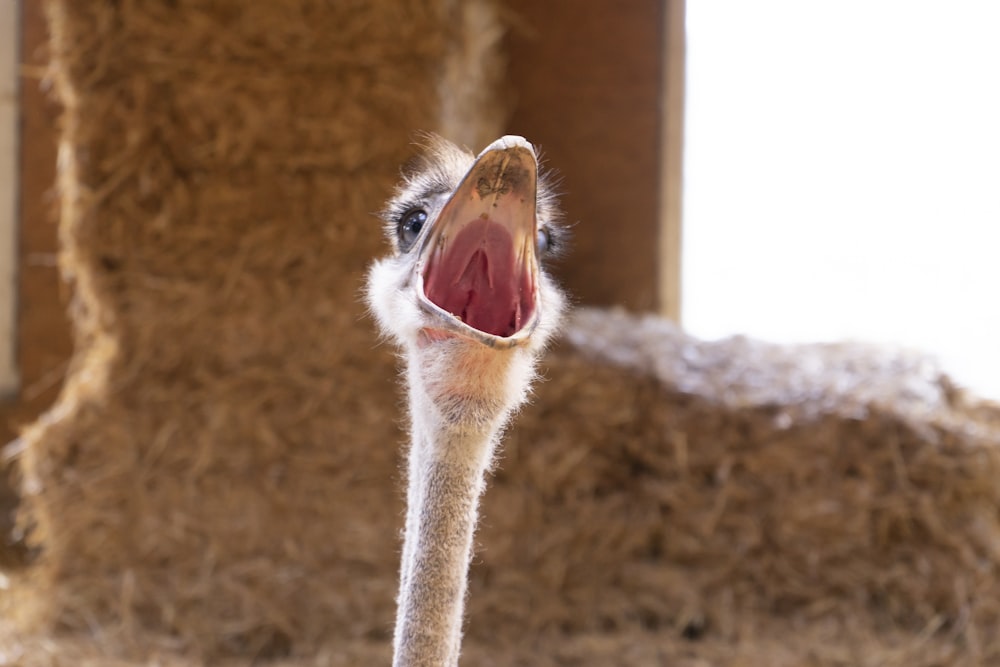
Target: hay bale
[
  {"x": 735, "y": 489},
  {"x": 671, "y": 501},
  {"x": 219, "y": 481},
  {"x": 227, "y": 408}
]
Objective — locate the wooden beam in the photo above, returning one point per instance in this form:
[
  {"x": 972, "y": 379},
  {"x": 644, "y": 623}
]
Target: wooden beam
[
  {"x": 672, "y": 160},
  {"x": 8, "y": 197},
  {"x": 44, "y": 341}
]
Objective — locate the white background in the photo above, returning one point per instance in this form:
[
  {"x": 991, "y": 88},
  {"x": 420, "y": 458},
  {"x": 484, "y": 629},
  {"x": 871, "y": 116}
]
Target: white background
[{"x": 842, "y": 175}]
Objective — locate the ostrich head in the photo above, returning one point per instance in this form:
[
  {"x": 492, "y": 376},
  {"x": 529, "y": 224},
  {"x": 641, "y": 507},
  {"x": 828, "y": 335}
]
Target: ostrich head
[{"x": 463, "y": 292}]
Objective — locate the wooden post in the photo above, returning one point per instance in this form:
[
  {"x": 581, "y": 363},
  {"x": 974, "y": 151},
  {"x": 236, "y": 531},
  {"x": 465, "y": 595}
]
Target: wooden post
[{"x": 672, "y": 160}]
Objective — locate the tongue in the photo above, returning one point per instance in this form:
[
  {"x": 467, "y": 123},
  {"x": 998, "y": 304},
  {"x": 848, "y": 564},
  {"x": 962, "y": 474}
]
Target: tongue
[{"x": 477, "y": 278}]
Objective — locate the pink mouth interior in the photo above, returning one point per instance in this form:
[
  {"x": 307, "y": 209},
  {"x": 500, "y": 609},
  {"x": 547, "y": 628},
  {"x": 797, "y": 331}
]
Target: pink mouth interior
[{"x": 478, "y": 278}]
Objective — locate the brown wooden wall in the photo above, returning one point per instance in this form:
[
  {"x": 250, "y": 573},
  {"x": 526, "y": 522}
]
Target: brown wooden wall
[
  {"x": 585, "y": 78},
  {"x": 43, "y": 329},
  {"x": 43, "y": 342}
]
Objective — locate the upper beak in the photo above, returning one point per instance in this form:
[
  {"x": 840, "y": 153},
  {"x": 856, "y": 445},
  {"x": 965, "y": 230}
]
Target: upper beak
[{"x": 478, "y": 268}]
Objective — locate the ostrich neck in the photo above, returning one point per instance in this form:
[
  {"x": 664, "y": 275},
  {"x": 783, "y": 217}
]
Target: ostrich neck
[{"x": 459, "y": 402}]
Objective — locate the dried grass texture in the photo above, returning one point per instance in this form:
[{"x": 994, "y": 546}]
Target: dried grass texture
[
  {"x": 671, "y": 501},
  {"x": 685, "y": 487},
  {"x": 220, "y": 482},
  {"x": 228, "y": 409}
]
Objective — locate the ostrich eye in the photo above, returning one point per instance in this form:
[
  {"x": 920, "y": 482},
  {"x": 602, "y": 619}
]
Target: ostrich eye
[
  {"x": 543, "y": 240},
  {"x": 410, "y": 224}
]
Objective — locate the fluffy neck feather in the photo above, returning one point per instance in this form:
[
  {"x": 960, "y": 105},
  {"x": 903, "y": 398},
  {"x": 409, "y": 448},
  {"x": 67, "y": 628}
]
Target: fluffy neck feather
[{"x": 461, "y": 395}]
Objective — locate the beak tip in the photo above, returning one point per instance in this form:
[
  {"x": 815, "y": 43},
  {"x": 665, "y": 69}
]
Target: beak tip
[{"x": 508, "y": 142}]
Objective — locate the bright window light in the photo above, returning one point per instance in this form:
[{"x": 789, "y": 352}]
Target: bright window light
[{"x": 842, "y": 176}]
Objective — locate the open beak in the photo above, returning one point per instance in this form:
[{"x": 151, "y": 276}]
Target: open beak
[{"x": 478, "y": 270}]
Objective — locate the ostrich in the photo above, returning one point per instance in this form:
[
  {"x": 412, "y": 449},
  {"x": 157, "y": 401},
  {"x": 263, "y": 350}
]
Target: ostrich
[{"x": 465, "y": 299}]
